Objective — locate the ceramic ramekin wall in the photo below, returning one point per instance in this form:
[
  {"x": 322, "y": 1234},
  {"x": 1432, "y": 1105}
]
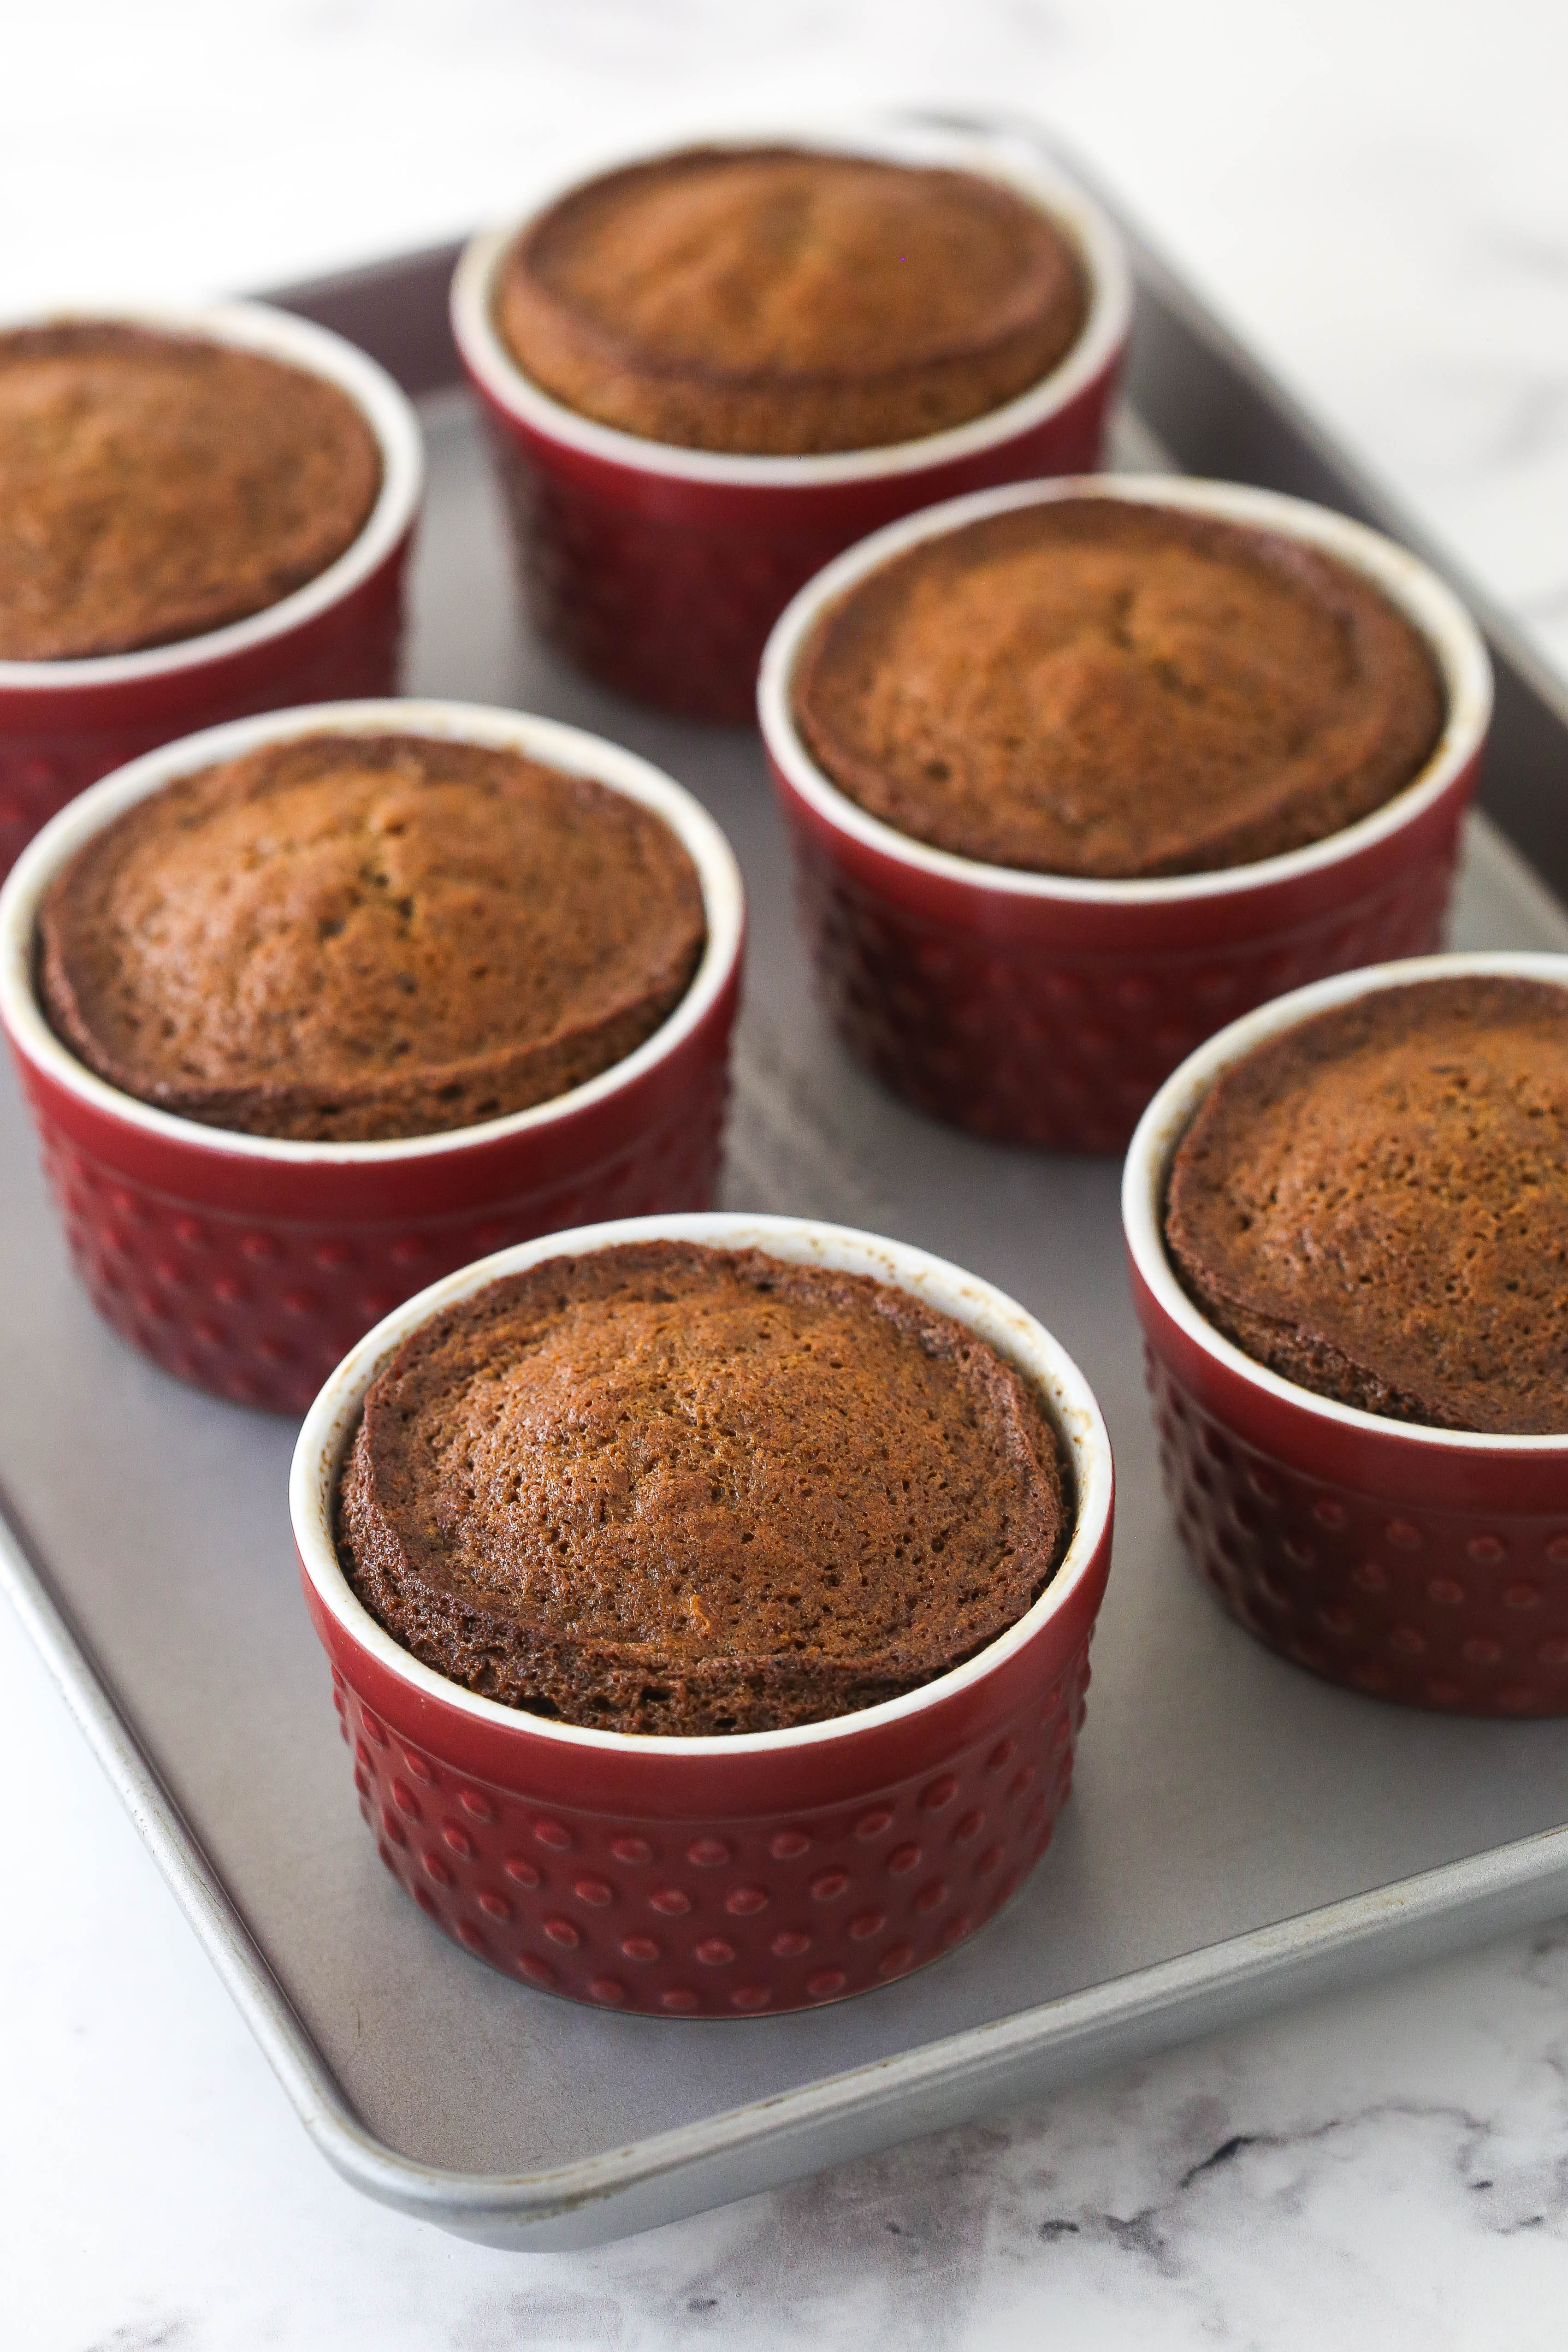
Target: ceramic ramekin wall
[
  {"x": 1414, "y": 1564},
  {"x": 248, "y": 1265},
  {"x": 1039, "y": 1009},
  {"x": 718, "y": 1878},
  {"x": 661, "y": 570},
  {"x": 64, "y": 723}
]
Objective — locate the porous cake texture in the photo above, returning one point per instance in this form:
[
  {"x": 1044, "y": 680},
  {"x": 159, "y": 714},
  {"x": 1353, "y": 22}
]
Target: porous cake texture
[
  {"x": 664, "y": 1488},
  {"x": 777, "y": 300},
  {"x": 343, "y": 937},
  {"x": 1374, "y": 1204},
  {"x": 1094, "y": 687},
  {"x": 154, "y": 486}
]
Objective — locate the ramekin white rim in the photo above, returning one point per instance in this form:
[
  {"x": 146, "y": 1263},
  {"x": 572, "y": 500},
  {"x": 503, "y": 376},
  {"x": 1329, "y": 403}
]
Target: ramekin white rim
[
  {"x": 330, "y": 1425},
  {"x": 257, "y": 327},
  {"x": 995, "y": 155},
  {"x": 571, "y": 748},
  {"x": 1170, "y": 1113},
  {"x": 1455, "y": 641}
]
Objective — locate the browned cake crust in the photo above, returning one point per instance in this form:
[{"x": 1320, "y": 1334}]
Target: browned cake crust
[
  {"x": 1094, "y": 687},
  {"x": 153, "y": 486},
  {"x": 767, "y": 299},
  {"x": 347, "y": 938},
  {"x": 1375, "y": 1206},
  {"x": 670, "y": 1490}
]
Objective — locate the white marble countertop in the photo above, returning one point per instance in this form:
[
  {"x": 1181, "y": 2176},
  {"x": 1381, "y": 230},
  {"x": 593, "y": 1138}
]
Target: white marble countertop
[{"x": 1376, "y": 196}]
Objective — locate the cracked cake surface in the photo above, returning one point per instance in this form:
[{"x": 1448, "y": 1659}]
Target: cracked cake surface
[
  {"x": 775, "y": 300},
  {"x": 154, "y": 486},
  {"x": 344, "y": 937},
  {"x": 665, "y": 1488},
  {"x": 1094, "y": 687},
  {"x": 1374, "y": 1204}
]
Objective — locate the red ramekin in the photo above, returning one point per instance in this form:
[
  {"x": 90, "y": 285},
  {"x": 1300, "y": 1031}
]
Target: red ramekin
[
  {"x": 64, "y": 723},
  {"x": 1416, "y": 1564},
  {"x": 247, "y": 1263},
  {"x": 661, "y": 570},
  {"x": 1041, "y": 1009},
  {"x": 721, "y": 1877}
]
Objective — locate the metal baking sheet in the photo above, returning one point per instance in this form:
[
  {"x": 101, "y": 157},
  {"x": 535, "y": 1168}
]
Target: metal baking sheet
[{"x": 1239, "y": 1835}]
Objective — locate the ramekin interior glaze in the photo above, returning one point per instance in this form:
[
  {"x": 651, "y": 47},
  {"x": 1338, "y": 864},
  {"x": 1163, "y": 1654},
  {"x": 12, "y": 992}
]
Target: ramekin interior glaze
[
  {"x": 334, "y": 1419},
  {"x": 571, "y": 749},
  {"x": 256, "y": 327}
]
